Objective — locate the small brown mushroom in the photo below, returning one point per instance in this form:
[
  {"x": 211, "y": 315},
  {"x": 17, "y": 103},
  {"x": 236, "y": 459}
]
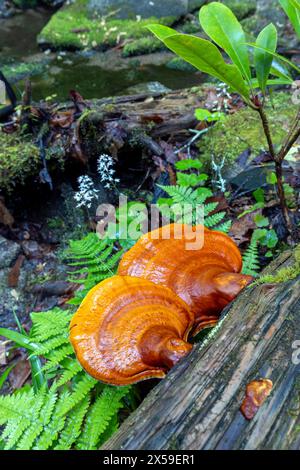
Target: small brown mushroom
[
  {"x": 256, "y": 393},
  {"x": 129, "y": 329}
]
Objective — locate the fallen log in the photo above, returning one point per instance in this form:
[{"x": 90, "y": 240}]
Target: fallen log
[{"x": 197, "y": 406}]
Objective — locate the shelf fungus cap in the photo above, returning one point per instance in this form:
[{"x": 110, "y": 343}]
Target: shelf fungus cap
[
  {"x": 129, "y": 329},
  {"x": 206, "y": 275}
]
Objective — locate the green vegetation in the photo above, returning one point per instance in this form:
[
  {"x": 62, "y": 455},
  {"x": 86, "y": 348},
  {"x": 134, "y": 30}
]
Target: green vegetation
[
  {"x": 72, "y": 28},
  {"x": 144, "y": 45},
  {"x": 19, "y": 159},
  {"x": 96, "y": 259},
  {"x": 66, "y": 408},
  {"x": 243, "y": 130},
  {"x": 284, "y": 274},
  {"x": 189, "y": 190}
]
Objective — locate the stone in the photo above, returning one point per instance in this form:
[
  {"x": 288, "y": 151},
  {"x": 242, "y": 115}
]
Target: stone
[
  {"x": 144, "y": 8},
  {"x": 32, "y": 249},
  {"x": 9, "y": 251}
]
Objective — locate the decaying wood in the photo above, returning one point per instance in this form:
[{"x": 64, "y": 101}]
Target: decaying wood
[{"x": 197, "y": 406}]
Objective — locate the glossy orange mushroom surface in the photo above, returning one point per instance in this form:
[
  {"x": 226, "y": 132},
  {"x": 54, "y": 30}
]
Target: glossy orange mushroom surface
[
  {"x": 207, "y": 278},
  {"x": 129, "y": 329}
]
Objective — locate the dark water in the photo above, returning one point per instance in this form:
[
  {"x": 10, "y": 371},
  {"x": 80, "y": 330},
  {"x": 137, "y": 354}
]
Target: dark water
[{"x": 86, "y": 74}]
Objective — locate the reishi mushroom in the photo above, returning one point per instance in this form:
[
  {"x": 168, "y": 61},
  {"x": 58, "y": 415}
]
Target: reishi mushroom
[
  {"x": 207, "y": 279},
  {"x": 129, "y": 329}
]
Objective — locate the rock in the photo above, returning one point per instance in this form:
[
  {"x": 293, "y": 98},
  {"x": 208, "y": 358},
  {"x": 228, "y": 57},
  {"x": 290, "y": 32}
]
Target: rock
[
  {"x": 268, "y": 11},
  {"x": 9, "y": 251},
  {"x": 242, "y": 131},
  {"x": 144, "y": 8},
  {"x": 60, "y": 32},
  {"x": 193, "y": 4},
  {"x": 32, "y": 249},
  {"x": 148, "y": 87}
]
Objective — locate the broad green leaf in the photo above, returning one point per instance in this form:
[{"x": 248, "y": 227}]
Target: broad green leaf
[
  {"x": 161, "y": 32},
  {"x": 188, "y": 163},
  {"x": 267, "y": 38},
  {"x": 20, "y": 339},
  {"x": 205, "y": 115},
  {"x": 261, "y": 221},
  {"x": 272, "y": 82},
  {"x": 295, "y": 3},
  {"x": 206, "y": 57},
  {"x": 259, "y": 195},
  {"x": 291, "y": 8},
  {"x": 278, "y": 70},
  {"x": 221, "y": 25},
  {"x": 274, "y": 54}
]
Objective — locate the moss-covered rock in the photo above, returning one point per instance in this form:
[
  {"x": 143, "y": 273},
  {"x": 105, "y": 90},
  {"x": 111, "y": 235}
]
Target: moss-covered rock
[
  {"x": 19, "y": 158},
  {"x": 146, "y": 45},
  {"x": 176, "y": 63},
  {"x": 18, "y": 71},
  {"x": 243, "y": 131},
  {"x": 241, "y": 8},
  {"x": 73, "y": 28},
  {"x": 270, "y": 11}
]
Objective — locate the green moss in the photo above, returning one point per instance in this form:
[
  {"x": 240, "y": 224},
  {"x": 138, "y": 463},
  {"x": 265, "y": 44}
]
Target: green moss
[
  {"x": 243, "y": 130},
  {"x": 146, "y": 45},
  {"x": 241, "y": 8},
  {"x": 71, "y": 27},
  {"x": 176, "y": 63},
  {"x": 19, "y": 158},
  {"x": 19, "y": 71},
  {"x": 283, "y": 274}
]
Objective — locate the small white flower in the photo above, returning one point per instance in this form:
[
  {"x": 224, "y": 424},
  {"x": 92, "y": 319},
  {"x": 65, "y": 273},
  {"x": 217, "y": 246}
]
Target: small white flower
[
  {"x": 106, "y": 171},
  {"x": 86, "y": 193}
]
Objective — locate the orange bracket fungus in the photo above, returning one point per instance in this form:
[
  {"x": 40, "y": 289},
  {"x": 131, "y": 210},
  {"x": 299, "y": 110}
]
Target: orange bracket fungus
[
  {"x": 207, "y": 279},
  {"x": 128, "y": 329},
  {"x": 256, "y": 393}
]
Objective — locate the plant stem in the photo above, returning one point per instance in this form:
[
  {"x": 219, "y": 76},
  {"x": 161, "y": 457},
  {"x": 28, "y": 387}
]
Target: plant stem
[
  {"x": 278, "y": 159},
  {"x": 281, "y": 195},
  {"x": 267, "y": 131}
]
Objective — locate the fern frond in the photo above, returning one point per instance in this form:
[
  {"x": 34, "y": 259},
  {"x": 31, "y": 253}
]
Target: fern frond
[
  {"x": 250, "y": 259},
  {"x": 96, "y": 259},
  {"x": 212, "y": 220},
  {"x": 100, "y": 415},
  {"x": 49, "y": 324},
  {"x": 58, "y": 356},
  {"x": 224, "y": 227},
  {"x": 68, "y": 374},
  {"x": 73, "y": 425},
  {"x": 54, "y": 425},
  {"x": 80, "y": 391}
]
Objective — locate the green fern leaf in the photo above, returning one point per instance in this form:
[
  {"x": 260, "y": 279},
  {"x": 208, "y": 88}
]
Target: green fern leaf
[
  {"x": 80, "y": 391},
  {"x": 100, "y": 415},
  {"x": 73, "y": 425},
  {"x": 250, "y": 259}
]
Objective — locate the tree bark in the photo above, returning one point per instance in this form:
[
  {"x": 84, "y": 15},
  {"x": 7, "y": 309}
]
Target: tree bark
[{"x": 197, "y": 406}]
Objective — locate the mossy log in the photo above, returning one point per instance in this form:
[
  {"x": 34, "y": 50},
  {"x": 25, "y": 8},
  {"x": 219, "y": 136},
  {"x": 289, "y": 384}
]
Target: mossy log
[{"x": 197, "y": 406}]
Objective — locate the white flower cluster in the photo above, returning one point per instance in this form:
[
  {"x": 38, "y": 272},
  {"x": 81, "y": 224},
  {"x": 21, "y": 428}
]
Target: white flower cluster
[
  {"x": 106, "y": 171},
  {"x": 86, "y": 193}
]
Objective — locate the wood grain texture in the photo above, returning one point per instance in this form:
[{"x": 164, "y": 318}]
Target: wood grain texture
[{"x": 197, "y": 405}]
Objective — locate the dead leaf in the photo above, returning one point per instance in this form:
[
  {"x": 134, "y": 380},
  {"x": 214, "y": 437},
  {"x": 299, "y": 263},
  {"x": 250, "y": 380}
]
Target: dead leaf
[
  {"x": 256, "y": 393},
  {"x": 62, "y": 119},
  {"x": 14, "y": 273},
  {"x": 20, "y": 373},
  {"x": 5, "y": 216},
  {"x": 241, "y": 227}
]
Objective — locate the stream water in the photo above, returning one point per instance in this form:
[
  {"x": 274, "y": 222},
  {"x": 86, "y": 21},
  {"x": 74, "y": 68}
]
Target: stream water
[{"x": 94, "y": 75}]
